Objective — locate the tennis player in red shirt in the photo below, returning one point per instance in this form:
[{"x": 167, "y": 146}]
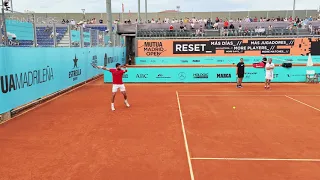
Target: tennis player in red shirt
[{"x": 117, "y": 83}]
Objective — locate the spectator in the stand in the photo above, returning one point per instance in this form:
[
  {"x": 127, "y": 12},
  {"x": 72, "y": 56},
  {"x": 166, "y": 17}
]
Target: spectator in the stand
[
  {"x": 72, "y": 22},
  {"x": 192, "y": 25},
  {"x": 63, "y": 21},
  {"x": 231, "y": 26},
  {"x": 185, "y": 27},
  {"x": 216, "y": 25},
  {"x": 100, "y": 21},
  {"x": 47, "y": 29},
  {"x": 310, "y": 28},
  {"x": 217, "y": 20},
  {"x": 226, "y": 24},
  {"x": 130, "y": 60},
  {"x": 171, "y": 28},
  {"x": 181, "y": 26},
  {"x": 153, "y": 21}
]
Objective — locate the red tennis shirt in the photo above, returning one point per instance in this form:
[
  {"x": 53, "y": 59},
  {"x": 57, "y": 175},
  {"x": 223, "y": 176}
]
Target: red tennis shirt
[{"x": 117, "y": 76}]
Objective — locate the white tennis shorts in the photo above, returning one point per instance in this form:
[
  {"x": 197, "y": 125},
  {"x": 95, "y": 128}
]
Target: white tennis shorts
[
  {"x": 269, "y": 76},
  {"x": 115, "y": 87}
]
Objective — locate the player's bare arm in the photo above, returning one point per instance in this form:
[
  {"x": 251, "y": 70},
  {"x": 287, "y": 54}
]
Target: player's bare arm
[
  {"x": 103, "y": 68},
  {"x": 124, "y": 68}
]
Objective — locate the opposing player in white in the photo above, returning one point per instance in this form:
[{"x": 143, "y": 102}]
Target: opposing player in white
[{"x": 269, "y": 73}]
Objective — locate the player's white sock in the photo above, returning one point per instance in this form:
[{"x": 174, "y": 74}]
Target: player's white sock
[
  {"x": 112, "y": 107},
  {"x": 126, "y": 102}
]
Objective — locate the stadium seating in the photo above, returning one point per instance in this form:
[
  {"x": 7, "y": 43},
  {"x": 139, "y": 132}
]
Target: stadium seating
[{"x": 44, "y": 33}]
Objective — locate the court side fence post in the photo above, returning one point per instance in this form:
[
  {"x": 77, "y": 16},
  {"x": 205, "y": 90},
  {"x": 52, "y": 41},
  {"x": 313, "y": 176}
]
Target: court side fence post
[{"x": 70, "y": 36}]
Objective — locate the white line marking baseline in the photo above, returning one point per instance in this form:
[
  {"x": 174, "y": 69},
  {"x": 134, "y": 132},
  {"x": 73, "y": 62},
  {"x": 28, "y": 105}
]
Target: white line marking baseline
[
  {"x": 302, "y": 103},
  {"x": 257, "y": 159},
  {"x": 231, "y": 95},
  {"x": 240, "y": 91},
  {"x": 185, "y": 138}
]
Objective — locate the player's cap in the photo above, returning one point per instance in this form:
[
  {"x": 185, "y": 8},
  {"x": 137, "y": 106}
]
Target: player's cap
[{"x": 118, "y": 64}]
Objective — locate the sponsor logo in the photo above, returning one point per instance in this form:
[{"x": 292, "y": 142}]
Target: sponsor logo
[
  {"x": 162, "y": 76},
  {"x": 275, "y": 75},
  {"x": 220, "y": 60},
  {"x": 195, "y": 60},
  {"x": 142, "y": 76},
  {"x": 223, "y": 75},
  {"x": 201, "y": 75},
  {"x": 105, "y": 59},
  {"x": 13, "y": 82},
  {"x": 193, "y": 47},
  {"x": 153, "y": 48},
  {"x": 182, "y": 75},
  {"x": 184, "y": 61},
  {"x": 73, "y": 74},
  {"x": 143, "y": 61},
  {"x": 295, "y": 75},
  {"x": 249, "y": 74},
  {"x": 109, "y": 60},
  {"x": 94, "y": 60},
  {"x": 153, "y": 61},
  {"x": 125, "y": 76}
]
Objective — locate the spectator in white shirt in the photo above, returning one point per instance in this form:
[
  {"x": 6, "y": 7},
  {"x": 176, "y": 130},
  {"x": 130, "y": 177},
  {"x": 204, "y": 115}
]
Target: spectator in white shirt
[
  {"x": 310, "y": 28},
  {"x": 216, "y": 25},
  {"x": 192, "y": 25}
]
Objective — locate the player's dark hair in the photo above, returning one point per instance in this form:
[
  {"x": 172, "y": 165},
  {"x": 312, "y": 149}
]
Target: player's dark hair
[{"x": 118, "y": 64}]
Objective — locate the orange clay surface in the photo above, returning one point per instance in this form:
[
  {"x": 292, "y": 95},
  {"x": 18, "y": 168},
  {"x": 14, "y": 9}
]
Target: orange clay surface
[{"x": 270, "y": 135}]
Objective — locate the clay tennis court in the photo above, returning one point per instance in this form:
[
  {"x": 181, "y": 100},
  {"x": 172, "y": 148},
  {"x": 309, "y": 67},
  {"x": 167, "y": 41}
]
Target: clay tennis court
[{"x": 171, "y": 132}]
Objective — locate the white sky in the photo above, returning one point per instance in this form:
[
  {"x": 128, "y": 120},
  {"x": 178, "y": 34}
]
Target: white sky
[{"x": 60, "y": 6}]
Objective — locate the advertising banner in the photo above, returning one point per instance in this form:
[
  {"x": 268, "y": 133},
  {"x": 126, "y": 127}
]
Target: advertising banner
[
  {"x": 27, "y": 74},
  {"x": 218, "y": 60},
  {"x": 229, "y": 47},
  {"x": 191, "y": 75}
]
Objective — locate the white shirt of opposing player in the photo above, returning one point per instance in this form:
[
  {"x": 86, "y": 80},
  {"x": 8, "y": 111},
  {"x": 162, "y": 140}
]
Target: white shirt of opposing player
[
  {"x": 269, "y": 72},
  {"x": 268, "y": 65}
]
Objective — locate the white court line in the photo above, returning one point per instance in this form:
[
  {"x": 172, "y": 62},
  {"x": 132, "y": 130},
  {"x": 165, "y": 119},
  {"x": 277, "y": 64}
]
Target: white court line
[
  {"x": 185, "y": 138},
  {"x": 248, "y": 91},
  {"x": 257, "y": 159},
  {"x": 231, "y": 95},
  {"x": 302, "y": 103},
  {"x": 41, "y": 104}
]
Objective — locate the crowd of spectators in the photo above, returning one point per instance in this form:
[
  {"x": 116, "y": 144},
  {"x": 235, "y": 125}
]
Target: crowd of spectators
[{"x": 228, "y": 24}]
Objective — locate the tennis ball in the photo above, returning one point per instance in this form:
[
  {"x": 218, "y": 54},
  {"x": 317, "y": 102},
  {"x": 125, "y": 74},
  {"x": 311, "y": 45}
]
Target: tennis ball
[{"x": 234, "y": 107}]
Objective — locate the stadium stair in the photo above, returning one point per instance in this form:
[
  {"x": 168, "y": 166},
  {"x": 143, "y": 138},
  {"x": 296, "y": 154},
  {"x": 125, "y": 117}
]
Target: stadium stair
[{"x": 64, "y": 42}]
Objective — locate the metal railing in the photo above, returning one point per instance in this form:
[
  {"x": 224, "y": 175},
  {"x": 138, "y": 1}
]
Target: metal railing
[
  {"x": 60, "y": 35},
  {"x": 260, "y": 32}
]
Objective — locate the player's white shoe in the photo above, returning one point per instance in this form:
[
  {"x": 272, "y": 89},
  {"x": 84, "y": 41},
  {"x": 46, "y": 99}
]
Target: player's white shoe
[
  {"x": 127, "y": 104},
  {"x": 112, "y": 108}
]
